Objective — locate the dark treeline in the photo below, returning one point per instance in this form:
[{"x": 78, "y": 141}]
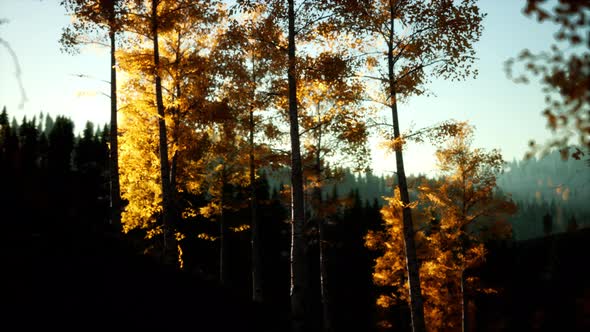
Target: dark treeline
[
  {"x": 49, "y": 174},
  {"x": 55, "y": 194},
  {"x": 66, "y": 265}
]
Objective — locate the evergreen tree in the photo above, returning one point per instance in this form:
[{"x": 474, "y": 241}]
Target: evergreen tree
[
  {"x": 547, "y": 224},
  {"x": 48, "y": 126},
  {"x": 86, "y": 149},
  {"x": 61, "y": 145},
  {"x": 28, "y": 144},
  {"x": 572, "y": 224},
  {"x": 4, "y": 135}
]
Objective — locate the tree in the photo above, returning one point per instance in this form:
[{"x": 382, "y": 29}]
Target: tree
[
  {"x": 420, "y": 39},
  {"x": 301, "y": 26},
  {"x": 305, "y": 25},
  {"x": 250, "y": 67},
  {"x": 93, "y": 15},
  {"x": 469, "y": 207},
  {"x": 4, "y": 129},
  {"x": 61, "y": 145},
  {"x": 454, "y": 215},
  {"x": 225, "y": 169},
  {"x": 18, "y": 72},
  {"x": 85, "y": 149},
  {"x": 547, "y": 224},
  {"x": 564, "y": 72},
  {"x": 163, "y": 139},
  {"x": 9, "y": 145},
  {"x": 298, "y": 275},
  {"x": 572, "y": 224},
  {"x": 29, "y": 144},
  {"x": 333, "y": 129},
  {"x": 180, "y": 112}
]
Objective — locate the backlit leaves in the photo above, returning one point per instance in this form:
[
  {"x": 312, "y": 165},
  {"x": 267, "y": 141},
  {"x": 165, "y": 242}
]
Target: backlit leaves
[
  {"x": 186, "y": 84},
  {"x": 429, "y": 38},
  {"x": 89, "y": 17}
]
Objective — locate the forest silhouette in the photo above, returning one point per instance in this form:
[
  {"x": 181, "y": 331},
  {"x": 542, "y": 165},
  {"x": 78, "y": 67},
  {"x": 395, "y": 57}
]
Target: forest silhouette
[{"x": 67, "y": 265}]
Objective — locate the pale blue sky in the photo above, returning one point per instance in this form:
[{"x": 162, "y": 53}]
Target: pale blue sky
[{"x": 506, "y": 115}]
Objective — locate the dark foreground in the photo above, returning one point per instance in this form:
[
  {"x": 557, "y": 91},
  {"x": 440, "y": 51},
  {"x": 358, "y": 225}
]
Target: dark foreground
[
  {"x": 80, "y": 282},
  {"x": 72, "y": 279},
  {"x": 544, "y": 285}
]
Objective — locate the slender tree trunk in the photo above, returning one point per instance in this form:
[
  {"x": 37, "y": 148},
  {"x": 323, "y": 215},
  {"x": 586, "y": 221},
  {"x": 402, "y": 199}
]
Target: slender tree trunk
[
  {"x": 222, "y": 249},
  {"x": 175, "y": 141},
  {"x": 257, "y": 295},
  {"x": 173, "y": 170},
  {"x": 326, "y": 305},
  {"x": 464, "y": 303},
  {"x": 319, "y": 216},
  {"x": 175, "y": 122},
  {"x": 223, "y": 272},
  {"x": 416, "y": 301},
  {"x": 115, "y": 188},
  {"x": 168, "y": 254},
  {"x": 298, "y": 267}
]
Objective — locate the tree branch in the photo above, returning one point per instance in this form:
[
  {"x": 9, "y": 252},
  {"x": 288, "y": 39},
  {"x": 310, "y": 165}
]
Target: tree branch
[{"x": 17, "y": 73}]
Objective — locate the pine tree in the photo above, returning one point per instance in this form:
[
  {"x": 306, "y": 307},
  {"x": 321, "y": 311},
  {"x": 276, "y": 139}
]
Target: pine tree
[
  {"x": 4, "y": 137},
  {"x": 61, "y": 145}
]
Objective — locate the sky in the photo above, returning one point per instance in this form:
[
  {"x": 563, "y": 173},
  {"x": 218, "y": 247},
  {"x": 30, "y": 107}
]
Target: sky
[{"x": 506, "y": 115}]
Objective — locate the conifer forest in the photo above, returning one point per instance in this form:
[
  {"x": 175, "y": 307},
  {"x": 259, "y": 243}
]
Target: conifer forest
[{"x": 232, "y": 188}]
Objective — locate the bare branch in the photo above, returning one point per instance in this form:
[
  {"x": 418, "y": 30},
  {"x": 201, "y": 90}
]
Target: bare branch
[{"x": 17, "y": 73}]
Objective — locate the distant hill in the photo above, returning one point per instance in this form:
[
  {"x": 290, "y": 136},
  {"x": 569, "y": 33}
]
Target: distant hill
[{"x": 548, "y": 186}]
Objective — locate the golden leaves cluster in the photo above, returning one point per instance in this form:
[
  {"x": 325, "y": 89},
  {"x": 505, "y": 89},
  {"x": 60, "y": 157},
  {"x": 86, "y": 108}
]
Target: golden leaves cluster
[{"x": 186, "y": 82}]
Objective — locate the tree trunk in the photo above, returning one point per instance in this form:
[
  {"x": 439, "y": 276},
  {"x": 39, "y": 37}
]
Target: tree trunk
[
  {"x": 326, "y": 307},
  {"x": 255, "y": 231},
  {"x": 169, "y": 248},
  {"x": 298, "y": 268},
  {"x": 175, "y": 142},
  {"x": 173, "y": 169},
  {"x": 319, "y": 216},
  {"x": 416, "y": 301},
  {"x": 223, "y": 272},
  {"x": 115, "y": 188},
  {"x": 464, "y": 303}
]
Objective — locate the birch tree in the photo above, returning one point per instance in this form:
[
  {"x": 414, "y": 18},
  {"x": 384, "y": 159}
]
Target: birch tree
[
  {"x": 419, "y": 40},
  {"x": 169, "y": 60},
  {"x": 333, "y": 130},
  {"x": 453, "y": 215},
  {"x": 301, "y": 23},
  {"x": 249, "y": 65}
]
